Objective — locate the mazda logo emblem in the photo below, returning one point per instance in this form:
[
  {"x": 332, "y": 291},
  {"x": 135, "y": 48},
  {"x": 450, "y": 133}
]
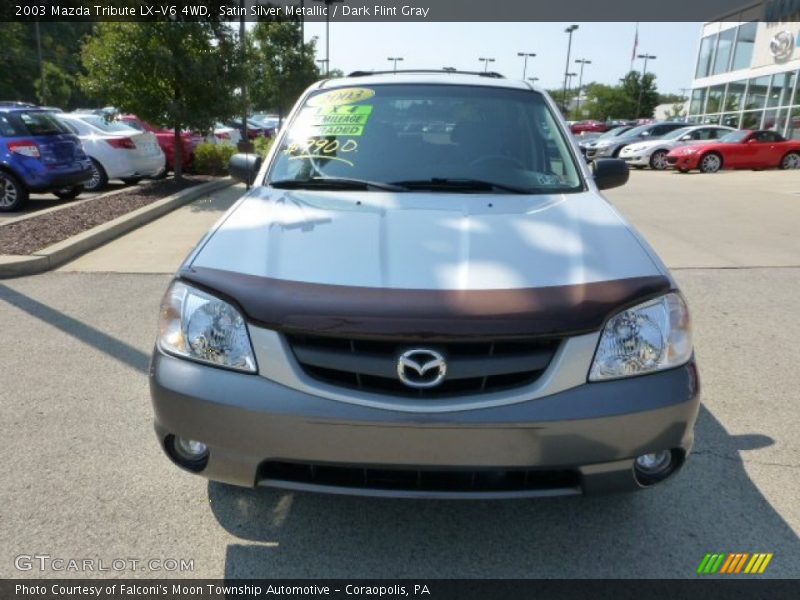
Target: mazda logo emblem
[
  {"x": 421, "y": 368},
  {"x": 782, "y": 45}
]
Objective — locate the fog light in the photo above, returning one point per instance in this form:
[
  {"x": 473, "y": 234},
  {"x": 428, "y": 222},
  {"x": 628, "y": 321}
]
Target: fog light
[
  {"x": 652, "y": 468},
  {"x": 190, "y": 449},
  {"x": 190, "y": 454}
]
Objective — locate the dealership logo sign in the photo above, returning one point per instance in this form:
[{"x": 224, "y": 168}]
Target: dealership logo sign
[{"x": 782, "y": 45}]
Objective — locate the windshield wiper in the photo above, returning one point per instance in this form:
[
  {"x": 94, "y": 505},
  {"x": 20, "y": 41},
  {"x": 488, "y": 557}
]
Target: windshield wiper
[
  {"x": 459, "y": 184},
  {"x": 335, "y": 183}
]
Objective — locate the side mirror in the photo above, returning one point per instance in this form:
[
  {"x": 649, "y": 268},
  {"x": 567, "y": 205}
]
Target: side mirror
[
  {"x": 610, "y": 172},
  {"x": 686, "y": 137},
  {"x": 244, "y": 167},
  {"x": 644, "y": 134},
  {"x": 752, "y": 141}
]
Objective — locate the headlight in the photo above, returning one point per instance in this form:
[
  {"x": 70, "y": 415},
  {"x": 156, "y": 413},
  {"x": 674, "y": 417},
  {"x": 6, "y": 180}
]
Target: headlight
[
  {"x": 199, "y": 326},
  {"x": 649, "y": 337},
  {"x": 689, "y": 150}
]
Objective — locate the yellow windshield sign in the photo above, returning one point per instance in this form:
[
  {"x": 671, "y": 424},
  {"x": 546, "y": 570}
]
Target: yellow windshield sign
[{"x": 341, "y": 96}]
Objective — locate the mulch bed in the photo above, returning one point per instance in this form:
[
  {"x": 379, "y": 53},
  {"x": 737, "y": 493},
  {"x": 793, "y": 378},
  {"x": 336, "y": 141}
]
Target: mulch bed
[{"x": 30, "y": 235}]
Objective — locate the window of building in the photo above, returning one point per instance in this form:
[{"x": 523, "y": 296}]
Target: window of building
[
  {"x": 781, "y": 91},
  {"x": 722, "y": 58},
  {"x": 752, "y": 119},
  {"x": 757, "y": 93},
  {"x": 730, "y": 120},
  {"x": 734, "y": 99},
  {"x": 706, "y": 56},
  {"x": 716, "y": 94},
  {"x": 696, "y": 106},
  {"x": 793, "y": 125},
  {"x": 745, "y": 41}
]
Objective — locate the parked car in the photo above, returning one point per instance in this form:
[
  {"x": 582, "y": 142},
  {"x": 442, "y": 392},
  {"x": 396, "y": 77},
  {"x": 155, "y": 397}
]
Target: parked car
[
  {"x": 653, "y": 153},
  {"x": 611, "y": 147},
  {"x": 269, "y": 122},
  {"x": 222, "y": 134},
  {"x": 166, "y": 139},
  {"x": 585, "y": 144},
  {"x": 254, "y": 129},
  {"x": 116, "y": 151},
  {"x": 38, "y": 154},
  {"x": 742, "y": 149},
  {"x": 388, "y": 314},
  {"x": 589, "y": 126}
]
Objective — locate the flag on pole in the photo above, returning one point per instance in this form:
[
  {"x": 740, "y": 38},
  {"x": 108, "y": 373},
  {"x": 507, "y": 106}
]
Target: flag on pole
[{"x": 635, "y": 45}]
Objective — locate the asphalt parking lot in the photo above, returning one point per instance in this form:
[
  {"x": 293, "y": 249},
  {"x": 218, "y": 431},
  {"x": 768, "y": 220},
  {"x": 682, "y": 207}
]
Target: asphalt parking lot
[{"x": 85, "y": 478}]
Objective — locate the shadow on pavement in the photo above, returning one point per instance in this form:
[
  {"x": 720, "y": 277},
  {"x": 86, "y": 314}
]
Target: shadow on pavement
[{"x": 664, "y": 532}]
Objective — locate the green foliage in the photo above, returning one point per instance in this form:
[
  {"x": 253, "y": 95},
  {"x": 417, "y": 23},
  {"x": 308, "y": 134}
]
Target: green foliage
[
  {"x": 263, "y": 145},
  {"x": 176, "y": 74},
  {"x": 283, "y": 65},
  {"x": 55, "y": 86},
  {"x": 212, "y": 159},
  {"x": 20, "y": 76},
  {"x": 621, "y": 101}
]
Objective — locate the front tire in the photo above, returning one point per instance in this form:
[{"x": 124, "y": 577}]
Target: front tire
[
  {"x": 658, "y": 160},
  {"x": 69, "y": 193},
  {"x": 791, "y": 161},
  {"x": 99, "y": 178},
  {"x": 131, "y": 180},
  {"x": 710, "y": 163},
  {"x": 12, "y": 193}
]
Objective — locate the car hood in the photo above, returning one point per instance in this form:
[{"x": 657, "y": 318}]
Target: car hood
[
  {"x": 647, "y": 144},
  {"x": 431, "y": 241},
  {"x": 692, "y": 149}
]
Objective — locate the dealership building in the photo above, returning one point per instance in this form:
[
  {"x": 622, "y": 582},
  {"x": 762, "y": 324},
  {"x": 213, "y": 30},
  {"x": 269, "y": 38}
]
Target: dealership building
[{"x": 747, "y": 69}]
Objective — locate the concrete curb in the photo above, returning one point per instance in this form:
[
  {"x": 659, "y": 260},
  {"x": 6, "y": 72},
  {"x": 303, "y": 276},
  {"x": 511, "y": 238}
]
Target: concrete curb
[{"x": 66, "y": 250}]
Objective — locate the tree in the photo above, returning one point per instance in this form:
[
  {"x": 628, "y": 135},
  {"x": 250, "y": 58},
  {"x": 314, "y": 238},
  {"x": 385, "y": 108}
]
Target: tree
[
  {"x": 286, "y": 65},
  {"x": 621, "y": 101},
  {"x": 54, "y": 87},
  {"x": 176, "y": 74}
]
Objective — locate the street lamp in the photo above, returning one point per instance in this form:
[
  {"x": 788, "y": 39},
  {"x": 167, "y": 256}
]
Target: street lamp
[
  {"x": 323, "y": 65},
  {"x": 328, "y": 32},
  {"x": 582, "y": 62},
  {"x": 486, "y": 62},
  {"x": 569, "y": 30},
  {"x": 646, "y": 57},
  {"x": 526, "y": 55},
  {"x": 394, "y": 59}
]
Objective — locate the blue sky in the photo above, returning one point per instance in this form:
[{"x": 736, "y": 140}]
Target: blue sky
[{"x": 434, "y": 45}]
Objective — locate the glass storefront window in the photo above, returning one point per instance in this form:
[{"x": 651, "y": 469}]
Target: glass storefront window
[
  {"x": 752, "y": 119},
  {"x": 757, "y": 93},
  {"x": 734, "y": 99},
  {"x": 730, "y": 120},
  {"x": 793, "y": 129},
  {"x": 698, "y": 99},
  {"x": 722, "y": 57},
  {"x": 715, "y": 95},
  {"x": 745, "y": 40},
  {"x": 711, "y": 119},
  {"x": 781, "y": 91},
  {"x": 705, "y": 56}
]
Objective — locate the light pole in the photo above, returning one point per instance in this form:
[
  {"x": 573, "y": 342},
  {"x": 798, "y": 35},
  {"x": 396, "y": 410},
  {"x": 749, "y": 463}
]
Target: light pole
[
  {"x": 582, "y": 62},
  {"x": 486, "y": 62},
  {"x": 646, "y": 57},
  {"x": 569, "y": 88},
  {"x": 569, "y": 30},
  {"x": 394, "y": 59},
  {"x": 526, "y": 55},
  {"x": 328, "y": 33}
]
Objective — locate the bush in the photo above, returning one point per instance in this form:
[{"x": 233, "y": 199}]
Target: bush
[
  {"x": 263, "y": 145},
  {"x": 212, "y": 159}
]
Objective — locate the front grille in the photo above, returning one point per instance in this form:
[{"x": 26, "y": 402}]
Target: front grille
[
  {"x": 421, "y": 480},
  {"x": 472, "y": 367},
  {"x": 672, "y": 160}
]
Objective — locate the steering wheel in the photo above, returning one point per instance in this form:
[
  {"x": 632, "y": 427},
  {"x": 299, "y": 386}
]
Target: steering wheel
[{"x": 497, "y": 157}]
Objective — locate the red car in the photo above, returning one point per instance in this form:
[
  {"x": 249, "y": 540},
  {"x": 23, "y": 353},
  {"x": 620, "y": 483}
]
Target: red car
[
  {"x": 589, "y": 127},
  {"x": 743, "y": 149},
  {"x": 166, "y": 139}
]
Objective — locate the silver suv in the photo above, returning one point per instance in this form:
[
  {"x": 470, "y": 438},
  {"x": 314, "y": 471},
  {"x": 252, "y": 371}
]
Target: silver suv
[{"x": 425, "y": 294}]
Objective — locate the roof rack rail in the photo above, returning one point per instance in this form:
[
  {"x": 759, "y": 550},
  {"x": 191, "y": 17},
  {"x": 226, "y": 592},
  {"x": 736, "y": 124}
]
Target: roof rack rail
[
  {"x": 492, "y": 74},
  {"x": 16, "y": 104}
]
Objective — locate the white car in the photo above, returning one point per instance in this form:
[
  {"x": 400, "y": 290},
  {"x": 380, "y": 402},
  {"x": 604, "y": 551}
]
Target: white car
[
  {"x": 223, "y": 134},
  {"x": 116, "y": 150},
  {"x": 653, "y": 153}
]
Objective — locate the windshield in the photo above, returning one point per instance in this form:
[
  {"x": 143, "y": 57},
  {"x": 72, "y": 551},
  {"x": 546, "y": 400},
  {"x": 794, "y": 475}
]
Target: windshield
[
  {"x": 734, "y": 137},
  {"x": 614, "y": 132},
  {"x": 100, "y": 123},
  {"x": 404, "y": 134},
  {"x": 41, "y": 123},
  {"x": 638, "y": 130},
  {"x": 674, "y": 135}
]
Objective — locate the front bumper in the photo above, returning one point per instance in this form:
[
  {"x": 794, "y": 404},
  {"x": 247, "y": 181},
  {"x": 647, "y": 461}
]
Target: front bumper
[
  {"x": 638, "y": 160},
  {"x": 593, "y": 431},
  {"x": 685, "y": 162}
]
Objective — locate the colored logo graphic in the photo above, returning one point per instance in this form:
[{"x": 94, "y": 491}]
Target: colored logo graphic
[{"x": 734, "y": 562}]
